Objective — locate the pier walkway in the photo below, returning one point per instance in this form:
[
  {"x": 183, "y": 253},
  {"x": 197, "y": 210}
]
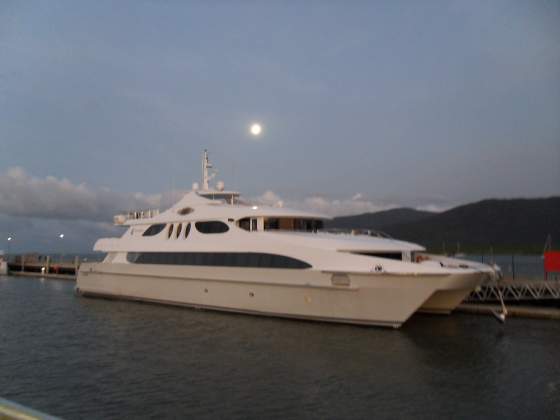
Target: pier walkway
[{"x": 516, "y": 291}]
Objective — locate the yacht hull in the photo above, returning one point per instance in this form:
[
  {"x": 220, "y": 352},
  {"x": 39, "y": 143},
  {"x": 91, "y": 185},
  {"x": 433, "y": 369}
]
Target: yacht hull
[
  {"x": 445, "y": 301},
  {"x": 354, "y": 298}
]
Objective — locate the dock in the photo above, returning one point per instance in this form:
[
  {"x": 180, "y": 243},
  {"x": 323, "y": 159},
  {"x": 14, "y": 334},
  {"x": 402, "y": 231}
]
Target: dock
[
  {"x": 44, "y": 266},
  {"x": 47, "y": 267},
  {"x": 69, "y": 277},
  {"x": 535, "y": 312},
  {"x": 517, "y": 291}
]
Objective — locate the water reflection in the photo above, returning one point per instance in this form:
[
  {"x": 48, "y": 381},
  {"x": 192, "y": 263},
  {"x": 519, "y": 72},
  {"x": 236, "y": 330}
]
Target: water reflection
[{"x": 90, "y": 358}]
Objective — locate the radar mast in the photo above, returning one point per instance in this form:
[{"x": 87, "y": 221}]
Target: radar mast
[{"x": 205, "y": 176}]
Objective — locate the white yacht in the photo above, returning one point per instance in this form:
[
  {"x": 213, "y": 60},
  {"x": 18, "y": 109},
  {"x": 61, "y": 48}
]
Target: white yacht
[{"x": 213, "y": 250}]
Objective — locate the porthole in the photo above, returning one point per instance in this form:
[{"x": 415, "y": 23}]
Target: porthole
[
  {"x": 185, "y": 210},
  {"x": 170, "y": 231},
  {"x": 179, "y": 228},
  {"x": 187, "y": 230}
]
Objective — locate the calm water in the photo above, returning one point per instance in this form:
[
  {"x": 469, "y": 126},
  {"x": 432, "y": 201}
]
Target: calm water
[{"x": 89, "y": 358}]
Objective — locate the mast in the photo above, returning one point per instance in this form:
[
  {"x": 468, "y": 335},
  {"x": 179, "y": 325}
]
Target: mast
[{"x": 205, "y": 166}]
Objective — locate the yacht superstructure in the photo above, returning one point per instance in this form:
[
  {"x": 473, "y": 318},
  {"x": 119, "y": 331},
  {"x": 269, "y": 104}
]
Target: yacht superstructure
[{"x": 213, "y": 250}]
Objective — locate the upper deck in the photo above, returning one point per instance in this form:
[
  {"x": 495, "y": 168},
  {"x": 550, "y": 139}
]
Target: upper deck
[{"x": 142, "y": 215}]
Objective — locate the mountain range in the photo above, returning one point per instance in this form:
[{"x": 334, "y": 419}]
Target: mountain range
[{"x": 495, "y": 225}]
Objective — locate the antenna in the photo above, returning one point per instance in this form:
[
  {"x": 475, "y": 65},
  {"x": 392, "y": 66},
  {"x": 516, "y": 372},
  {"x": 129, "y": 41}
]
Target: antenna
[
  {"x": 205, "y": 170},
  {"x": 206, "y": 177}
]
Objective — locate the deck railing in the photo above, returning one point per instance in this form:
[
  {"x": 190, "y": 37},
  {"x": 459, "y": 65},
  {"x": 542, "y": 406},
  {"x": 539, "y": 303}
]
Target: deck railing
[{"x": 122, "y": 218}]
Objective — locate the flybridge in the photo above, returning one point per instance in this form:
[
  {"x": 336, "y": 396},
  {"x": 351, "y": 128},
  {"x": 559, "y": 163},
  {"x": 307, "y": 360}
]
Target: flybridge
[
  {"x": 218, "y": 193},
  {"x": 121, "y": 219}
]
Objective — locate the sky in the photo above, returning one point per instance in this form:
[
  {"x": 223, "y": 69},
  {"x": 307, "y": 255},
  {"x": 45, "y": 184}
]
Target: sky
[{"x": 365, "y": 105}]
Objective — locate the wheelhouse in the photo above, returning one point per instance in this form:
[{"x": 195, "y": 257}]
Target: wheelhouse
[{"x": 280, "y": 224}]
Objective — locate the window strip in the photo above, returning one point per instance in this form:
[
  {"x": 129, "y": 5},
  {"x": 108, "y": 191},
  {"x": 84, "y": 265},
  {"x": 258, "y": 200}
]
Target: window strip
[{"x": 217, "y": 259}]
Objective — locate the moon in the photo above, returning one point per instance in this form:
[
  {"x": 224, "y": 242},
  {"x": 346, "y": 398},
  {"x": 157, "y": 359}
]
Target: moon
[{"x": 255, "y": 129}]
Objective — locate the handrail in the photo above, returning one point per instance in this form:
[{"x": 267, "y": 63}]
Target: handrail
[{"x": 120, "y": 219}]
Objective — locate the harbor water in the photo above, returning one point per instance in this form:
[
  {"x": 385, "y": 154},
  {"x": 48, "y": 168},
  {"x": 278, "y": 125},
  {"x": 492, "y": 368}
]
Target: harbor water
[{"x": 82, "y": 358}]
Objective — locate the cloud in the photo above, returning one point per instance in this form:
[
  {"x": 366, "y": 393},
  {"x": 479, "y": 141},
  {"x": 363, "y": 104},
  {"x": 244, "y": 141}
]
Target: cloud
[
  {"x": 24, "y": 195},
  {"x": 356, "y": 204},
  {"x": 344, "y": 207},
  {"x": 436, "y": 208},
  {"x": 319, "y": 204},
  {"x": 84, "y": 214},
  {"x": 270, "y": 198}
]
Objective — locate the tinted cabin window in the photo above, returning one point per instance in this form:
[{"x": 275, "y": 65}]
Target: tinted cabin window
[
  {"x": 217, "y": 259},
  {"x": 178, "y": 232},
  {"x": 287, "y": 223},
  {"x": 389, "y": 255},
  {"x": 271, "y": 224},
  {"x": 245, "y": 223},
  {"x": 211, "y": 227},
  {"x": 170, "y": 231},
  {"x": 187, "y": 230},
  {"x": 154, "y": 229}
]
